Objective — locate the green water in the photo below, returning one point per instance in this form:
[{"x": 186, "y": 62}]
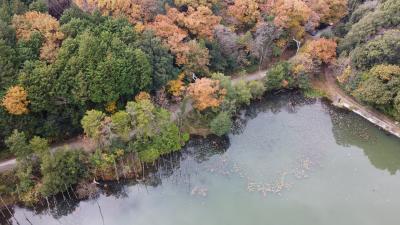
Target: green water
[{"x": 289, "y": 161}]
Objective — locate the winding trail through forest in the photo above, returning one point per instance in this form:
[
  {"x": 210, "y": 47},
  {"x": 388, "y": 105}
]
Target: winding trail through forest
[
  {"x": 326, "y": 83},
  {"x": 80, "y": 142}
]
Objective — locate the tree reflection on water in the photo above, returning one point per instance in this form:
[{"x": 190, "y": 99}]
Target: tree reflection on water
[
  {"x": 348, "y": 130},
  {"x": 381, "y": 148},
  {"x": 289, "y": 101}
]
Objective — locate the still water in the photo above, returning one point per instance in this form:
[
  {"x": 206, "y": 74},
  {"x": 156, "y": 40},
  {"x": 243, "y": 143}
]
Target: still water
[{"x": 288, "y": 161}]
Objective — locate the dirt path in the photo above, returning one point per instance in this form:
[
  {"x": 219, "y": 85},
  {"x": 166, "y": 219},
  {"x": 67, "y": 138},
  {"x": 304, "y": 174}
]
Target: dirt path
[
  {"x": 7, "y": 165},
  {"x": 340, "y": 99},
  {"x": 327, "y": 83},
  {"x": 79, "y": 142},
  {"x": 258, "y": 75}
]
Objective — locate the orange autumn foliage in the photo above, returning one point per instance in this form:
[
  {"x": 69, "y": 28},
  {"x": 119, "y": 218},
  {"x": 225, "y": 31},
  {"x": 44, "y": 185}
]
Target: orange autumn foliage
[
  {"x": 134, "y": 10},
  {"x": 195, "y": 3},
  {"x": 298, "y": 15},
  {"x": 322, "y": 49},
  {"x": 164, "y": 27},
  {"x": 32, "y": 21},
  {"x": 16, "y": 101},
  {"x": 174, "y": 27},
  {"x": 292, "y": 15},
  {"x": 328, "y": 11},
  {"x": 245, "y": 11},
  {"x": 142, "y": 96},
  {"x": 206, "y": 93},
  {"x": 200, "y": 22}
]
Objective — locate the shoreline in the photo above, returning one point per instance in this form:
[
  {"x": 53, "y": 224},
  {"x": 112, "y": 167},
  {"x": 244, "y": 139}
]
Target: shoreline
[
  {"x": 102, "y": 185},
  {"x": 327, "y": 84},
  {"x": 341, "y": 99}
]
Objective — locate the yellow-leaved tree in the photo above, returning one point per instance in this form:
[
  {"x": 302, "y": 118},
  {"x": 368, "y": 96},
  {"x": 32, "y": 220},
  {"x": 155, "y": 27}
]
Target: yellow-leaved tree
[
  {"x": 16, "y": 101},
  {"x": 177, "y": 87},
  {"x": 245, "y": 11}
]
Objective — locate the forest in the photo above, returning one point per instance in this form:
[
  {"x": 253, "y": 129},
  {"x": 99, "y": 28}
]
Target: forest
[{"x": 137, "y": 77}]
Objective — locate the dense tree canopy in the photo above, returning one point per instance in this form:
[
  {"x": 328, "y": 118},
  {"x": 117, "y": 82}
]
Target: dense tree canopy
[
  {"x": 30, "y": 22},
  {"x": 369, "y": 54},
  {"x": 144, "y": 126},
  {"x": 64, "y": 70},
  {"x": 136, "y": 10},
  {"x": 245, "y": 11},
  {"x": 383, "y": 49},
  {"x": 8, "y": 65},
  {"x": 385, "y": 15},
  {"x": 99, "y": 54},
  {"x": 293, "y": 15},
  {"x": 381, "y": 88},
  {"x": 100, "y": 61},
  {"x": 60, "y": 170},
  {"x": 161, "y": 62},
  {"x": 221, "y": 124},
  {"x": 17, "y": 143}
]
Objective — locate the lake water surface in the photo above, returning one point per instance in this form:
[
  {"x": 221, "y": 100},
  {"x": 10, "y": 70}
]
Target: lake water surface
[{"x": 289, "y": 161}]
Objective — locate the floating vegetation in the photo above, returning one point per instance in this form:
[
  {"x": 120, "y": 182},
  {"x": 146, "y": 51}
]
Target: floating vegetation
[
  {"x": 275, "y": 187},
  {"x": 305, "y": 165},
  {"x": 199, "y": 191},
  {"x": 264, "y": 184}
]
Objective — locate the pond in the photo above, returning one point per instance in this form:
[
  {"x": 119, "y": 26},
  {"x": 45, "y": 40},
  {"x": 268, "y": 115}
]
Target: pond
[{"x": 289, "y": 161}]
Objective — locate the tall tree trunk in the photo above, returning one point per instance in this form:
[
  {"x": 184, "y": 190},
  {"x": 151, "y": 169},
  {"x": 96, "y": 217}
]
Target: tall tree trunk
[
  {"x": 73, "y": 192},
  {"x": 101, "y": 213},
  {"x": 298, "y": 44},
  {"x": 142, "y": 170},
  {"x": 19, "y": 195},
  {"x": 66, "y": 188},
  {"x": 8, "y": 209},
  {"x": 116, "y": 170},
  {"x": 123, "y": 168},
  {"x": 48, "y": 204},
  {"x": 28, "y": 220}
]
